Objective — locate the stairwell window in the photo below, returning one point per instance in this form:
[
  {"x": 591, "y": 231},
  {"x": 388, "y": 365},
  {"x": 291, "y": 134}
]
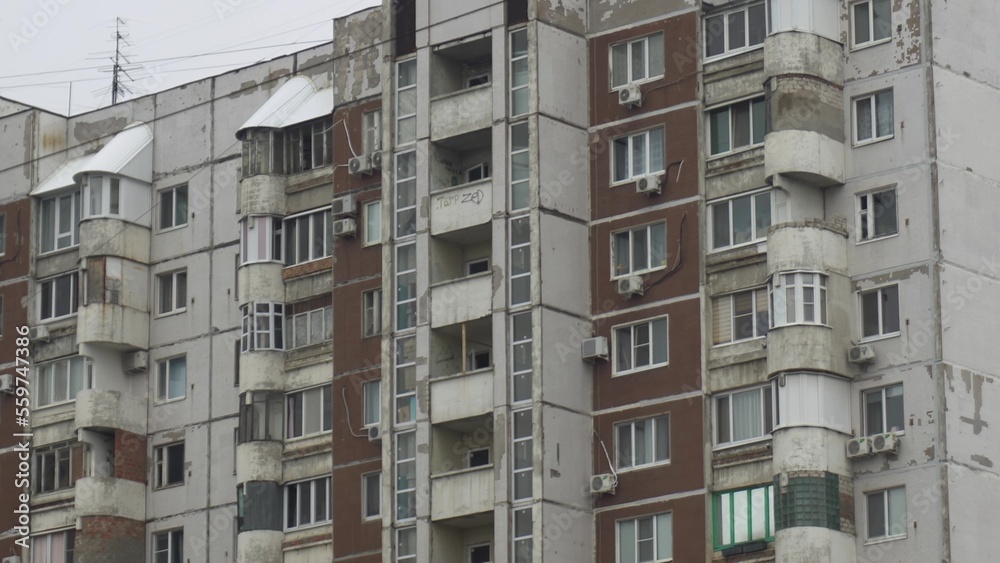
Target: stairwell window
[
  {"x": 168, "y": 469},
  {"x": 877, "y": 215},
  {"x": 873, "y": 118},
  {"x": 406, "y": 101},
  {"x": 798, "y": 298},
  {"x": 871, "y": 22},
  {"x": 640, "y": 346},
  {"x": 883, "y": 410},
  {"x": 59, "y": 297},
  {"x": 406, "y": 545},
  {"x": 173, "y": 203},
  {"x": 59, "y": 224},
  {"x": 406, "y": 476},
  {"x": 518, "y": 72},
  {"x": 637, "y": 155},
  {"x": 743, "y": 416},
  {"x": 736, "y": 126},
  {"x": 646, "y": 539},
  {"x": 406, "y": 380},
  {"x": 172, "y": 292},
  {"x": 740, "y": 220},
  {"x": 880, "y": 312},
  {"x": 743, "y": 515},
  {"x": 740, "y": 316},
  {"x": 735, "y": 31},
  {"x": 371, "y": 317},
  {"x": 637, "y": 60},
  {"x": 307, "y": 503},
  {"x": 639, "y": 250},
  {"x": 171, "y": 379},
  {"x": 886, "y": 513},
  {"x": 642, "y": 442},
  {"x": 523, "y": 534}
]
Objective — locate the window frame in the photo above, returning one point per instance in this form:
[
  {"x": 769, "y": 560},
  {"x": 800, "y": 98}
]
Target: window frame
[
  {"x": 173, "y": 191},
  {"x": 873, "y": 109},
  {"x": 650, "y": 255},
  {"x": 371, "y": 418},
  {"x": 866, "y": 217},
  {"x": 514, "y": 58},
  {"x": 651, "y": 423},
  {"x": 887, "y": 519},
  {"x": 317, "y": 222},
  {"x": 69, "y": 541},
  {"x": 759, "y": 331},
  {"x": 629, "y": 45},
  {"x": 521, "y": 356},
  {"x": 174, "y": 293},
  {"x": 616, "y": 369},
  {"x": 3, "y": 234},
  {"x": 767, "y": 403},
  {"x": 410, "y": 491},
  {"x": 366, "y": 514},
  {"x": 405, "y": 557},
  {"x": 726, "y": 51},
  {"x": 819, "y": 303},
  {"x": 522, "y": 543},
  {"x": 174, "y": 539},
  {"x": 470, "y": 548},
  {"x": 291, "y": 333},
  {"x": 53, "y": 297},
  {"x": 408, "y": 394},
  {"x": 76, "y": 213},
  {"x": 313, "y": 495},
  {"x": 871, "y": 25},
  {"x": 371, "y": 313},
  {"x": 631, "y": 175},
  {"x": 769, "y": 515},
  {"x": 519, "y": 244},
  {"x": 655, "y": 518},
  {"x": 250, "y": 247},
  {"x": 404, "y": 216},
  {"x": 163, "y": 380},
  {"x": 44, "y": 371},
  {"x": 161, "y": 465},
  {"x": 880, "y": 292},
  {"x": 252, "y": 334},
  {"x": 527, "y": 468},
  {"x": 408, "y": 278},
  {"x": 61, "y": 453},
  {"x": 298, "y": 409},
  {"x": 883, "y": 402},
  {"x": 399, "y": 89},
  {"x": 369, "y": 210},
  {"x": 754, "y": 228},
  {"x": 371, "y": 131},
  {"x": 728, "y": 107}
]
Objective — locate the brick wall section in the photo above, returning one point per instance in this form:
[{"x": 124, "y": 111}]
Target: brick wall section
[
  {"x": 110, "y": 539},
  {"x": 130, "y": 456}
]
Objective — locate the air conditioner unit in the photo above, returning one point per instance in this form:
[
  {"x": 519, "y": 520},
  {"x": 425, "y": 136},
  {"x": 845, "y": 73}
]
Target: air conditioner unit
[
  {"x": 7, "y": 383},
  {"x": 594, "y": 349},
  {"x": 344, "y": 228},
  {"x": 374, "y": 434},
  {"x": 630, "y": 96},
  {"x": 858, "y": 447},
  {"x": 39, "y": 333},
  {"x": 630, "y": 286},
  {"x": 603, "y": 483},
  {"x": 343, "y": 205},
  {"x": 863, "y": 354},
  {"x": 360, "y": 165},
  {"x": 11, "y": 559},
  {"x": 135, "y": 362},
  {"x": 884, "y": 443},
  {"x": 649, "y": 185},
  {"x": 376, "y": 160}
]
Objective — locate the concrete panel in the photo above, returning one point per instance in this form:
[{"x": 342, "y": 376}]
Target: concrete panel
[
  {"x": 193, "y": 407},
  {"x": 461, "y": 112},
  {"x": 113, "y": 324},
  {"x": 183, "y": 139},
  {"x": 195, "y": 319},
  {"x": 563, "y": 176},
  {"x": 562, "y": 80},
  {"x": 461, "y": 207},
  {"x": 310, "y": 554},
  {"x": 926, "y": 537},
  {"x": 970, "y": 307},
  {"x": 219, "y": 538},
  {"x": 263, "y": 195},
  {"x": 567, "y": 533},
  {"x": 904, "y": 48},
  {"x": 462, "y": 493},
  {"x": 567, "y": 457},
  {"x": 451, "y": 20},
  {"x": 562, "y": 255},
  {"x": 565, "y": 379},
  {"x": 260, "y": 282},
  {"x": 606, "y": 15},
  {"x": 258, "y": 461},
  {"x": 461, "y": 397},
  {"x": 462, "y": 300},
  {"x": 190, "y": 496},
  {"x": 222, "y": 461},
  {"x": 805, "y": 155},
  {"x": 917, "y": 339},
  {"x": 971, "y": 494},
  {"x": 101, "y": 409},
  {"x": 262, "y": 370},
  {"x": 259, "y": 545},
  {"x": 105, "y": 496},
  {"x": 358, "y": 74},
  {"x": 111, "y": 237},
  {"x": 810, "y": 449}
]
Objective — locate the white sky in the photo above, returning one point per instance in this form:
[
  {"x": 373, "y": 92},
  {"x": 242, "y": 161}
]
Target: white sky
[{"x": 63, "y": 41}]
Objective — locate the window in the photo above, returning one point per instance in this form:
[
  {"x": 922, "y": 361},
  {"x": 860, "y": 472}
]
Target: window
[
  {"x": 406, "y": 475},
  {"x": 520, "y": 261},
  {"x": 642, "y": 442},
  {"x": 518, "y": 72},
  {"x": 406, "y": 194},
  {"x": 371, "y": 496},
  {"x": 3, "y": 234},
  {"x": 372, "y": 391},
  {"x": 60, "y": 222},
  {"x": 372, "y": 125},
  {"x": 480, "y": 554},
  {"x": 262, "y": 152},
  {"x": 171, "y": 379},
  {"x": 168, "y": 547},
  {"x": 307, "y": 503},
  {"x": 880, "y": 312},
  {"x": 741, "y": 220},
  {"x": 59, "y": 297},
  {"x": 309, "y": 327},
  {"x": 522, "y": 445},
  {"x": 173, "y": 207},
  {"x": 261, "y": 416},
  {"x": 877, "y": 215},
  {"x": 372, "y": 212},
  {"x": 61, "y": 380},
  {"x": 406, "y": 545},
  {"x": 372, "y": 312},
  {"x": 639, "y": 250},
  {"x": 309, "y": 412},
  {"x": 646, "y": 539},
  {"x": 406, "y": 286},
  {"x": 406, "y": 102},
  {"x": 406, "y": 380},
  {"x": 308, "y": 146},
  {"x": 168, "y": 467},
  {"x": 798, "y": 298},
  {"x": 743, "y": 515},
  {"x": 308, "y": 236},
  {"x": 736, "y": 126},
  {"x": 56, "y": 547},
  {"x": 477, "y": 266},
  {"x": 172, "y": 292},
  {"x": 260, "y": 239},
  {"x": 479, "y": 457},
  {"x": 103, "y": 196},
  {"x": 640, "y": 346},
  {"x": 54, "y": 467},
  {"x": 478, "y": 172},
  {"x": 742, "y": 416},
  {"x": 637, "y": 61},
  {"x": 523, "y": 536},
  {"x": 883, "y": 410},
  {"x": 873, "y": 119},
  {"x": 886, "y": 513},
  {"x": 739, "y": 316},
  {"x": 263, "y": 327},
  {"x": 871, "y": 22},
  {"x": 735, "y": 31},
  {"x": 637, "y": 155},
  {"x": 520, "y": 353},
  {"x": 520, "y": 166}
]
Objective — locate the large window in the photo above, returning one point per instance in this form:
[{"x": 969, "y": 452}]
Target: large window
[
  {"x": 886, "y": 513},
  {"x": 873, "y": 119},
  {"x": 59, "y": 223},
  {"x": 168, "y": 547},
  {"x": 640, "y": 346},
  {"x": 171, "y": 379},
  {"x": 637, "y": 155},
  {"x": 736, "y": 126},
  {"x": 261, "y": 416},
  {"x": 520, "y": 166},
  {"x": 308, "y": 236},
  {"x": 406, "y": 545},
  {"x": 871, "y": 22},
  {"x": 646, "y": 539},
  {"x": 523, "y": 534},
  {"x": 406, "y": 286},
  {"x": 262, "y": 152},
  {"x": 172, "y": 292},
  {"x": 54, "y": 467},
  {"x": 742, "y": 416},
  {"x": 309, "y": 412},
  {"x": 521, "y": 356},
  {"x": 263, "y": 327},
  {"x": 735, "y": 31},
  {"x": 307, "y": 503},
  {"x": 61, "y": 380},
  {"x": 57, "y": 547},
  {"x": 522, "y": 441},
  {"x": 739, "y": 316},
  {"x": 406, "y": 380},
  {"x": 639, "y": 250},
  {"x": 743, "y": 515},
  {"x": 880, "y": 312},
  {"x": 371, "y": 314},
  {"x": 102, "y": 196},
  {"x": 371, "y": 495},
  {"x": 884, "y": 410},
  {"x": 168, "y": 468},
  {"x": 406, "y": 194},
  {"x": 642, "y": 442},
  {"x": 518, "y": 72},
  {"x": 637, "y": 60},
  {"x": 406, "y": 101},
  {"x": 406, "y": 475},
  {"x": 260, "y": 239},
  {"x": 741, "y": 220},
  {"x": 173, "y": 207},
  {"x": 798, "y": 298},
  {"x": 59, "y": 297},
  {"x": 309, "y": 145},
  {"x": 877, "y": 215}
]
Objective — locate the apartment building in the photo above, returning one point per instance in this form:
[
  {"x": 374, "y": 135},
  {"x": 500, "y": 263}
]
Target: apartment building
[{"x": 649, "y": 281}]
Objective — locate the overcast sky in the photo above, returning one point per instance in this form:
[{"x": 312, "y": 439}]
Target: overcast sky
[{"x": 49, "y": 43}]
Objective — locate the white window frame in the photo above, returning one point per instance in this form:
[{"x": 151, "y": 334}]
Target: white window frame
[
  {"x": 371, "y": 213},
  {"x": 371, "y": 127},
  {"x": 727, "y": 51},
  {"x": 251, "y": 249},
  {"x": 872, "y": 99},
  {"x": 402, "y": 323},
  {"x": 263, "y": 326},
  {"x": 883, "y": 402},
  {"x": 473, "y": 547},
  {"x": 881, "y": 313},
  {"x": 109, "y": 194},
  {"x": 728, "y": 107},
  {"x": 49, "y": 287},
  {"x": 406, "y": 557},
  {"x": 630, "y": 46},
  {"x": 755, "y": 236},
  {"x": 371, "y": 482},
  {"x": 404, "y": 216},
  {"x": 655, "y": 457},
  {"x": 325, "y": 314},
  {"x": 404, "y": 397},
  {"x": 176, "y": 219},
  {"x": 163, "y": 379},
  {"x": 887, "y": 510},
  {"x": 161, "y": 465},
  {"x": 630, "y": 233},
  {"x": 779, "y": 314},
  {"x": 371, "y": 393},
  {"x": 766, "y": 396},
  {"x": 319, "y": 223},
  {"x": 309, "y": 487},
  {"x": 371, "y": 313},
  {"x": 178, "y": 298},
  {"x": 520, "y": 188},
  {"x": 41, "y": 546},
  {"x": 408, "y": 492},
  {"x": 402, "y": 88},
  {"x": 60, "y": 240},
  {"x": 60, "y": 455},
  {"x": 296, "y": 406},
  {"x": 868, "y": 215},
  {"x": 758, "y": 297},
  {"x": 516, "y": 58},
  {"x": 48, "y": 376},
  {"x": 630, "y": 139},
  {"x": 527, "y": 440},
  {"x": 518, "y": 247},
  {"x": 652, "y": 351},
  {"x": 871, "y": 25},
  {"x": 521, "y": 362},
  {"x": 175, "y": 545},
  {"x": 522, "y": 534},
  {"x": 657, "y": 520}
]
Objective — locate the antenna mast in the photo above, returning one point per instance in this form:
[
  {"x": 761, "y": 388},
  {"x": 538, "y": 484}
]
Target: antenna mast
[{"x": 117, "y": 88}]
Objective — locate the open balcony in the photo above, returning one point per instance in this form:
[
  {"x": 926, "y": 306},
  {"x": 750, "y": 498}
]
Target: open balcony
[
  {"x": 462, "y": 470},
  {"x": 461, "y": 276},
  {"x": 461, "y": 366},
  {"x": 461, "y": 92},
  {"x": 464, "y": 540}
]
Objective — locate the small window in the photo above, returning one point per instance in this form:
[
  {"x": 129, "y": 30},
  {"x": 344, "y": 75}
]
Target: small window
[
  {"x": 873, "y": 119},
  {"x": 406, "y": 545},
  {"x": 172, "y": 290},
  {"x": 263, "y": 326},
  {"x": 646, "y": 539},
  {"x": 742, "y": 416},
  {"x": 637, "y": 155},
  {"x": 742, "y": 516},
  {"x": 883, "y": 410},
  {"x": 372, "y": 391},
  {"x": 477, "y": 79},
  {"x": 309, "y": 412},
  {"x": 59, "y": 297},
  {"x": 477, "y": 359},
  {"x": 406, "y": 101},
  {"x": 642, "y": 442},
  {"x": 741, "y": 220},
  {"x": 171, "y": 379},
  {"x": 477, "y": 266},
  {"x": 886, "y": 513},
  {"x": 740, "y": 316},
  {"x": 260, "y": 239},
  {"x": 61, "y": 380},
  {"x": 735, "y": 31},
  {"x": 307, "y": 503},
  {"x": 798, "y": 298},
  {"x": 168, "y": 547},
  {"x": 406, "y": 476},
  {"x": 372, "y": 123},
  {"x": 168, "y": 467},
  {"x": 877, "y": 215},
  {"x": 638, "y": 60},
  {"x": 639, "y": 250},
  {"x": 523, "y": 534},
  {"x": 478, "y": 172},
  {"x": 736, "y": 126},
  {"x": 372, "y": 312},
  {"x": 306, "y": 328},
  {"x": 54, "y": 467},
  {"x": 59, "y": 223},
  {"x": 56, "y": 547},
  {"x": 871, "y": 22},
  {"x": 102, "y": 196},
  {"x": 479, "y": 457},
  {"x": 519, "y": 72},
  {"x": 371, "y": 496},
  {"x": 406, "y": 380},
  {"x": 640, "y": 346},
  {"x": 173, "y": 207},
  {"x": 480, "y": 554},
  {"x": 372, "y": 212},
  {"x": 880, "y": 312}
]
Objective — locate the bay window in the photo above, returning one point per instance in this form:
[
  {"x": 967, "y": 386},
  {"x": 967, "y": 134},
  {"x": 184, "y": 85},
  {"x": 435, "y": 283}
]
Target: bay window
[{"x": 798, "y": 298}]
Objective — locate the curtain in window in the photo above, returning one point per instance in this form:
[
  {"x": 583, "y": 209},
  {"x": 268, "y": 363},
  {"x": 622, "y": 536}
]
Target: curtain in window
[
  {"x": 883, "y": 110},
  {"x": 178, "y": 371},
  {"x": 897, "y": 511},
  {"x": 747, "y": 415},
  {"x": 624, "y": 349},
  {"x": 626, "y": 541},
  {"x": 664, "y": 536},
  {"x": 863, "y": 118}
]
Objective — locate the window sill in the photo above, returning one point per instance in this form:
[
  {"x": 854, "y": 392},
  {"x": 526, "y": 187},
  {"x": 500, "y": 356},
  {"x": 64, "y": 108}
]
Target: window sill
[
  {"x": 171, "y": 229},
  {"x": 308, "y": 526},
  {"x": 878, "y": 337},
  {"x": 740, "y": 341},
  {"x": 876, "y": 239},
  {"x": 168, "y": 401},
  {"x": 732, "y": 152},
  {"x": 884, "y": 539},
  {"x": 58, "y": 251},
  {"x": 171, "y": 313},
  {"x": 630, "y": 181},
  {"x": 865, "y": 143},
  {"x": 57, "y": 319},
  {"x": 663, "y": 463},
  {"x": 616, "y": 89},
  {"x": 304, "y": 437},
  {"x": 869, "y": 44},
  {"x": 732, "y": 445},
  {"x": 799, "y": 324},
  {"x": 166, "y": 487},
  {"x": 733, "y": 53},
  {"x": 59, "y": 404},
  {"x": 640, "y": 370},
  {"x": 756, "y": 242},
  {"x": 617, "y": 277}
]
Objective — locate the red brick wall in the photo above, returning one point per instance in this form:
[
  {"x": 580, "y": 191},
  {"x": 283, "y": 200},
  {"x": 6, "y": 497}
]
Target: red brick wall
[
  {"x": 110, "y": 539},
  {"x": 130, "y": 456}
]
